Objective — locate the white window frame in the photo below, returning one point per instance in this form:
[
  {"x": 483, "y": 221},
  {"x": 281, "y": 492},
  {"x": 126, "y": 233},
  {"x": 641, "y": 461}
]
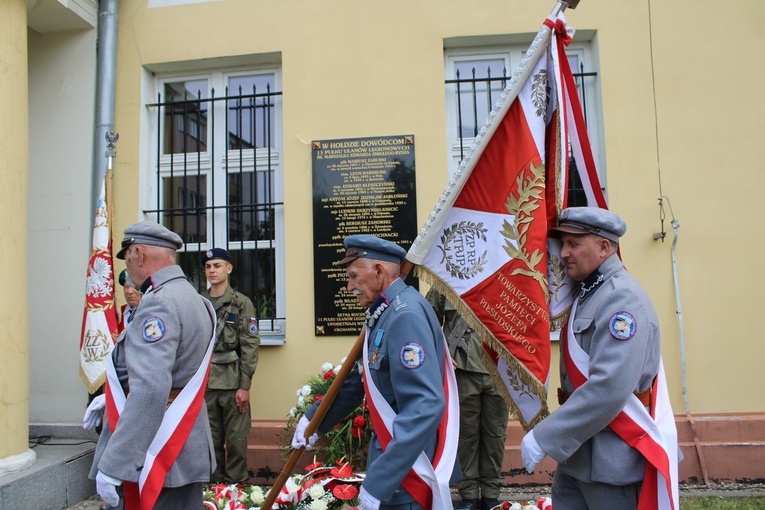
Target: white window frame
[
  {"x": 272, "y": 332},
  {"x": 512, "y": 54}
]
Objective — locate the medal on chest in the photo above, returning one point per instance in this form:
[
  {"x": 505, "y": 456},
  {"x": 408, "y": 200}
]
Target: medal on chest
[{"x": 377, "y": 342}]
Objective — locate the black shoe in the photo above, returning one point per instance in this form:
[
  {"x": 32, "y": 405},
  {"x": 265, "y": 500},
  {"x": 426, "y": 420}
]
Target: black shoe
[
  {"x": 467, "y": 504},
  {"x": 489, "y": 503}
]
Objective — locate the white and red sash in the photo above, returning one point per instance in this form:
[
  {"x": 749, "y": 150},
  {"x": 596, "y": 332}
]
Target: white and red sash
[
  {"x": 653, "y": 434},
  {"x": 173, "y": 431},
  {"x": 426, "y": 482}
]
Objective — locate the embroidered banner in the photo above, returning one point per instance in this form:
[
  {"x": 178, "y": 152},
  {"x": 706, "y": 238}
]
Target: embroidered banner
[
  {"x": 485, "y": 244},
  {"x": 99, "y": 320}
]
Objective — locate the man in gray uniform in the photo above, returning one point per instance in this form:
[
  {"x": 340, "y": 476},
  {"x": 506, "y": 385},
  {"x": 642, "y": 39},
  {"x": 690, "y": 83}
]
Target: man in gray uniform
[
  {"x": 406, "y": 355},
  {"x": 616, "y": 325},
  {"x": 233, "y": 365},
  {"x": 483, "y": 412},
  {"x": 154, "y": 360}
]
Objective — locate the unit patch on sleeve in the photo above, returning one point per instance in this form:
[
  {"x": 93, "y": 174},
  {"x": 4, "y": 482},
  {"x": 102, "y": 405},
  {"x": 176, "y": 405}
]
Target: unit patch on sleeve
[
  {"x": 153, "y": 329},
  {"x": 412, "y": 355},
  {"x": 622, "y": 325},
  {"x": 252, "y": 327}
]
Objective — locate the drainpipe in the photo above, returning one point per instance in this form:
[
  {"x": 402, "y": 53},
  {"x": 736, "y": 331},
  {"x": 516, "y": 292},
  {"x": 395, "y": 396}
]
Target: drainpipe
[{"x": 106, "y": 78}]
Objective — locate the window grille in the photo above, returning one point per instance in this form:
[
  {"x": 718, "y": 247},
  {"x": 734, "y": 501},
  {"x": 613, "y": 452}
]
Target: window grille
[
  {"x": 215, "y": 179},
  {"x": 475, "y": 95}
]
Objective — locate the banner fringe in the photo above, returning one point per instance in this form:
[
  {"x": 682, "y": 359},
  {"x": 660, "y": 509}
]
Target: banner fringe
[{"x": 526, "y": 377}]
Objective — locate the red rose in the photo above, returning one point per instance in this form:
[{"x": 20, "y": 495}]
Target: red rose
[
  {"x": 318, "y": 398},
  {"x": 329, "y": 374},
  {"x": 359, "y": 422},
  {"x": 355, "y": 432}
]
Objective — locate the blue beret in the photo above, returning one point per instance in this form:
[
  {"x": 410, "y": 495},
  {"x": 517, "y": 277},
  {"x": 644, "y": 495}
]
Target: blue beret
[
  {"x": 371, "y": 247},
  {"x": 590, "y": 220},
  {"x": 149, "y": 232},
  {"x": 216, "y": 253}
]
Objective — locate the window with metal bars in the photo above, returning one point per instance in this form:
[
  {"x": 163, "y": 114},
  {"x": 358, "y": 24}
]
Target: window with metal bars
[
  {"x": 475, "y": 79},
  {"x": 217, "y": 181}
]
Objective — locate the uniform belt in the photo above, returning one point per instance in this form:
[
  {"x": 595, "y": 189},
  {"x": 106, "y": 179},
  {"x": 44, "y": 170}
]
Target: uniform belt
[
  {"x": 224, "y": 357},
  {"x": 170, "y": 398},
  {"x": 644, "y": 396}
]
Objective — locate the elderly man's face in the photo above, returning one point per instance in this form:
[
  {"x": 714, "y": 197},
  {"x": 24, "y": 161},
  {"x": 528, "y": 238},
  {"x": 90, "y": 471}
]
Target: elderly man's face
[
  {"x": 132, "y": 296},
  {"x": 583, "y": 254},
  {"x": 365, "y": 280},
  {"x": 132, "y": 262}
]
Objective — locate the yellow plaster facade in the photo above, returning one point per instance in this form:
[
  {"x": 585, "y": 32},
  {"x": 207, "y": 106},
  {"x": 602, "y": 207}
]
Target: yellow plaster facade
[
  {"x": 14, "y": 164},
  {"x": 682, "y": 117}
]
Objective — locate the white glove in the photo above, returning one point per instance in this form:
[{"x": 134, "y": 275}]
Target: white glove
[
  {"x": 531, "y": 452},
  {"x": 94, "y": 413},
  {"x": 298, "y": 440},
  {"x": 106, "y": 487},
  {"x": 367, "y": 501}
]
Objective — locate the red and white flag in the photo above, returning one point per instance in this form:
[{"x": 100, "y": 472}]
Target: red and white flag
[
  {"x": 485, "y": 244},
  {"x": 99, "y": 319}
]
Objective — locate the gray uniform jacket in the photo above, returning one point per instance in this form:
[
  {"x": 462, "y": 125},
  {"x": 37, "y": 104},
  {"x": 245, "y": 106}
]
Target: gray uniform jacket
[
  {"x": 153, "y": 357},
  {"x": 577, "y": 434},
  {"x": 414, "y": 389}
]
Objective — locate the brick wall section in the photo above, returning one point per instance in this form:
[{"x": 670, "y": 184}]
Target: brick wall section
[{"x": 732, "y": 445}]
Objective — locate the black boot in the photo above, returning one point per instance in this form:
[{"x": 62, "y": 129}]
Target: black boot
[
  {"x": 467, "y": 504},
  {"x": 489, "y": 503}
]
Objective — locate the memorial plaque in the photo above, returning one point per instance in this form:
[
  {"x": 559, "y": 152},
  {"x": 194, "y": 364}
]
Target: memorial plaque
[{"x": 360, "y": 186}]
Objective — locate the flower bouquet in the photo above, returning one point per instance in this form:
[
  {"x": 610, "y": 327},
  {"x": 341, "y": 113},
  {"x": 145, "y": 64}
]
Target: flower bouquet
[
  {"x": 541, "y": 504},
  {"x": 349, "y": 439},
  {"x": 321, "y": 488}
]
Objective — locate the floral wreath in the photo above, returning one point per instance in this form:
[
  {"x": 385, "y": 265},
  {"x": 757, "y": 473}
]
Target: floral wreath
[{"x": 348, "y": 441}]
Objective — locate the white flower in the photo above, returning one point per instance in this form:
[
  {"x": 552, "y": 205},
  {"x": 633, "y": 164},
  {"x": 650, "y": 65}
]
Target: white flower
[
  {"x": 530, "y": 507},
  {"x": 257, "y": 495},
  {"x": 301, "y": 400},
  {"x": 299, "y": 392},
  {"x": 316, "y": 491},
  {"x": 337, "y": 368},
  {"x": 293, "y": 412},
  {"x": 318, "y": 504},
  {"x": 326, "y": 367},
  {"x": 343, "y": 360},
  {"x": 305, "y": 391},
  {"x": 516, "y": 506}
]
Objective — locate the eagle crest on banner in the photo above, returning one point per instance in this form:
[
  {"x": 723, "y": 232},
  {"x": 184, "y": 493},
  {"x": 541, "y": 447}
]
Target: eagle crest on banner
[{"x": 462, "y": 243}]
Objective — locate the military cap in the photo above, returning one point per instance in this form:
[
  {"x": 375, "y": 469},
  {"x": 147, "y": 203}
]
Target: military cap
[
  {"x": 216, "y": 253},
  {"x": 371, "y": 247},
  {"x": 122, "y": 277},
  {"x": 149, "y": 232},
  {"x": 590, "y": 220}
]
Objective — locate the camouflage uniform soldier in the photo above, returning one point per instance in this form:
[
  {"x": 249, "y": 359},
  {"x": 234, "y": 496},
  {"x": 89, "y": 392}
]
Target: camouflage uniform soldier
[{"x": 233, "y": 365}]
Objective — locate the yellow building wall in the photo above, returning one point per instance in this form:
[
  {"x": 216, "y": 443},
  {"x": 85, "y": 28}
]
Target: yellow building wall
[
  {"x": 682, "y": 117},
  {"x": 14, "y": 166}
]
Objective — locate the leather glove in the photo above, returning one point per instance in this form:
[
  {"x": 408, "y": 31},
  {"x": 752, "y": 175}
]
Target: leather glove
[
  {"x": 367, "y": 501},
  {"x": 106, "y": 487},
  {"x": 298, "y": 440},
  {"x": 531, "y": 452},
  {"x": 94, "y": 413}
]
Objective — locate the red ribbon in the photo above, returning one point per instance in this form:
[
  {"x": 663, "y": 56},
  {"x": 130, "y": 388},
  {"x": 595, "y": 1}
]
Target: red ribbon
[{"x": 559, "y": 27}]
